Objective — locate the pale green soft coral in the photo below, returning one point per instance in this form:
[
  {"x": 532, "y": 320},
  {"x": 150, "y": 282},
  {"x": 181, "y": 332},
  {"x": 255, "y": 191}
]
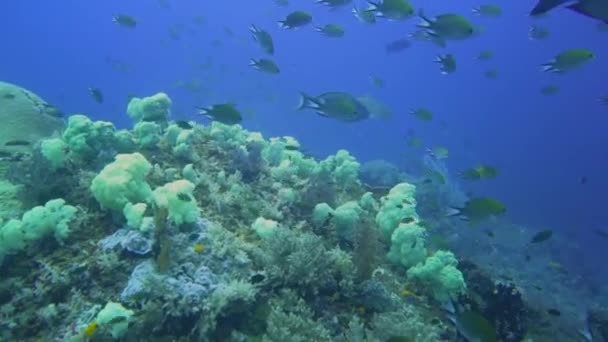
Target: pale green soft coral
[
  {"x": 122, "y": 181},
  {"x": 55, "y": 150},
  {"x": 184, "y": 146},
  {"x": 322, "y": 214},
  {"x": 346, "y": 217},
  {"x": 147, "y": 134},
  {"x": 408, "y": 245},
  {"x": 177, "y": 198},
  {"x": 398, "y": 205},
  {"x": 134, "y": 213},
  {"x": 115, "y": 318},
  {"x": 155, "y": 108},
  {"x": 439, "y": 273},
  {"x": 41, "y": 221},
  {"x": 265, "y": 228},
  {"x": 86, "y": 139}
]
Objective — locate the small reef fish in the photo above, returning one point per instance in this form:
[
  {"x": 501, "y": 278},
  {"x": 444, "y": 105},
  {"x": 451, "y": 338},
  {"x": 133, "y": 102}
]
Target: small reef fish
[
  {"x": 124, "y": 20},
  {"x": 225, "y": 113},
  {"x": 422, "y": 114},
  {"x": 485, "y": 55},
  {"x": 488, "y": 10},
  {"x": 536, "y": 32},
  {"x": 336, "y": 105},
  {"x": 549, "y": 90},
  {"x": 17, "y": 143},
  {"x": 264, "y": 65},
  {"x": 480, "y": 208},
  {"x": 392, "y": 9},
  {"x": 96, "y": 94},
  {"x": 263, "y": 38},
  {"x": 542, "y": 236},
  {"x": 366, "y": 16},
  {"x": 397, "y": 45},
  {"x": 334, "y": 3},
  {"x": 331, "y": 30},
  {"x": 295, "y": 19},
  {"x": 480, "y": 172},
  {"x": 447, "y": 63},
  {"x": 183, "y": 124},
  {"x": 568, "y": 60}
]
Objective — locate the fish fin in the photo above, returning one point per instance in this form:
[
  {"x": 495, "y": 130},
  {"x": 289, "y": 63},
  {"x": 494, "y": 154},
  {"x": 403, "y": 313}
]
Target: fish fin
[
  {"x": 253, "y": 63},
  {"x": 426, "y": 23},
  {"x": 253, "y": 29},
  {"x": 202, "y": 110},
  {"x": 282, "y": 24},
  {"x": 306, "y": 102},
  {"x": 544, "y": 6},
  {"x": 476, "y": 11},
  {"x": 453, "y": 211},
  {"x": 372, "y": 5},
  {"x": 322, "y": 114},
  {"x": 548, "y": 67}
]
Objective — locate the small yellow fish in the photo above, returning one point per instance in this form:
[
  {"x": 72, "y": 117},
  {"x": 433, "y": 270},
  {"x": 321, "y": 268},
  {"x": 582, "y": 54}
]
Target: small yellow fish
[
  {"x": 408, "y": 293},
  {"x": 199, "y": 248},
  {"x": 361, "y": 310},
  {"x": 90, "y": 329},
  {"x": 556, "y": 265}
]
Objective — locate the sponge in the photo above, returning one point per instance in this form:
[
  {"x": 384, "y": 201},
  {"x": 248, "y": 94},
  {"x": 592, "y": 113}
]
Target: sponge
[
  {"x": 122, "y": 181},
  {"x": 177, "y": 198},
  {"x": 440, "y": 275},
  {"x": 52, "y": 218}
]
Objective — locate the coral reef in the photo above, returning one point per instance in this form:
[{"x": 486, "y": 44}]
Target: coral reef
[{"x": 212, "y": 233}]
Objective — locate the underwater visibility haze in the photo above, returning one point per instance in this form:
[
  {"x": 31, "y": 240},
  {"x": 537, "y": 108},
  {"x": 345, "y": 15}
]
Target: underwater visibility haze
[{"x": 304, "y": 170}]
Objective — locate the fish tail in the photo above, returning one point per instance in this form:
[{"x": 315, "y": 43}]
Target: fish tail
[
  {"x": 253, "y": 63},
  {"x": 456, "y": 212},
  {"x": 305, "y": 102},
  {"x": 548, "y": 67},
  {"x": 253, "y": 29},
  {"x": 426, "y": 21},
  {"x": 372, "y": 5},
  {"x": 283, "y": 24}
]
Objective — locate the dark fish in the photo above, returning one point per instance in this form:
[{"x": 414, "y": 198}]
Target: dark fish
[
  {"x": 8, "y": 96},
  {"x": 601, "y": 233},
  {"x": 407, "y": 220},
  {"x": 542, "y": 236},
  {"x": 183, "y": 124},
  {"x": 596, "y": 9},
  {"x": 184, "y": 197},
  {"x": 583, "y": 180},
  {"x": 398, "y": 45},
  {"x": 225, "y": 113},
  {"x": 554, "y": 312},
  {"x": 96, "y": 94},
  {"x": 489, "y": 233},
  {"x": 295, "y": 19},
  {"x": 257, "y": 278},
  {"x": 17, "y": 143},
  {"x": 53, "y": 111},
  {"x": 544, "y": 6},
  {"x": 414, "y": 244},
  {"x": 124, "y": 20}
]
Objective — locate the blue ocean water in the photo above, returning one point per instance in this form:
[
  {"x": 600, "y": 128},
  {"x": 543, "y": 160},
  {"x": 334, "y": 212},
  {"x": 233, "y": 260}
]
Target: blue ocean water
[{"x": 542, "y": 145}]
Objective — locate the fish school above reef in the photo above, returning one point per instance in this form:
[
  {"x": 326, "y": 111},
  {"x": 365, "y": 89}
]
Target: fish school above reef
[{"x": 187, "y": 232}]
